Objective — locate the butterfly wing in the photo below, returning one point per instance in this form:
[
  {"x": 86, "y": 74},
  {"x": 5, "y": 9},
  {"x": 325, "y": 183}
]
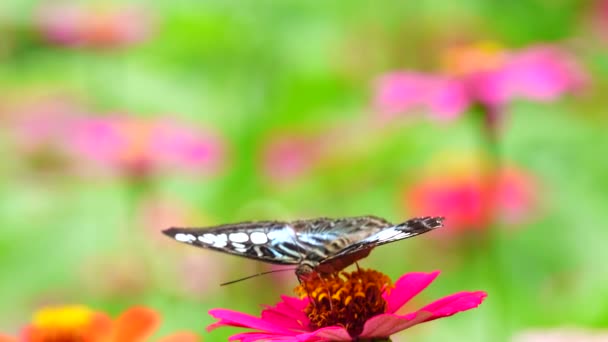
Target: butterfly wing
[
  {"x": 323, "y": 238},
  {"x": 269, "y": 241},
  {"x": 361, "y": 248}
]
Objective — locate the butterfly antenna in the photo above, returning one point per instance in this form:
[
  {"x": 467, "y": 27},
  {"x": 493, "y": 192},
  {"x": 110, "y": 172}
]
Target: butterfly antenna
[{"x": 257, "y": 275}]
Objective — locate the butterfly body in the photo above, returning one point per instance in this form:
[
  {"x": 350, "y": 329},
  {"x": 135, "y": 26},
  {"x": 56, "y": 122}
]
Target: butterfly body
[{"x": 321, "y": 245}]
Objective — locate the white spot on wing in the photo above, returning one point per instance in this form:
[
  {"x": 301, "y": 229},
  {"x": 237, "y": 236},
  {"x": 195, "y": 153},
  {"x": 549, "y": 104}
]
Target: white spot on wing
[
  {"x": 181, "y": 237},
  {"x": 387, "y": 234},
  {"x": 205, "y": 239},
  {"x": 239, "y": 237},
  {"x": 238, "y": 245},
  {"x": 220, "y": 243},
  {"x": 258, "y": 238},
  {"x": 281, "y": 235}
]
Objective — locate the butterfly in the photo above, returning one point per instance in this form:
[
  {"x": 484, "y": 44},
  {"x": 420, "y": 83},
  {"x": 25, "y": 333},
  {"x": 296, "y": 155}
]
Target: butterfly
[{"x": 322, "y": 245}]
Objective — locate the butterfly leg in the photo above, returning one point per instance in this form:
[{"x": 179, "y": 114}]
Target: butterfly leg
[
  {"x": 357, "y": 264},
  {"x": 310, "y": 301},
  {"x": 331, "y": 305}
]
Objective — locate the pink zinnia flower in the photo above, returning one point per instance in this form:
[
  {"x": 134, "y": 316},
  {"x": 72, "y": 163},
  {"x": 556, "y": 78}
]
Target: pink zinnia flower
[
  {"x": 482, "y": 75},
  {"x": 599, "y": 19},
  {"x": 464, "y": 197},
  {"x": 73, "y": 24},
  {"x": 139, "y": 147},
  {"x": 37, "y": 124},
  {"x": 37, "y": 128},
  {"x": 286, "y": 157},
  {"x": 346, "y": 307}
]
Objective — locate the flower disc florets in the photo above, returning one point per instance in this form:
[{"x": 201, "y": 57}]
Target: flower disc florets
[{"x": 345, "y": 299}]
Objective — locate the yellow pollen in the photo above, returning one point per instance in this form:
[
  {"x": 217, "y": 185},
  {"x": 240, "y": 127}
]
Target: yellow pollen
[
  {"x": 345, "y": 299},
  {"x": 63, "y": 317},
  {"x": 62, "y": 324}
]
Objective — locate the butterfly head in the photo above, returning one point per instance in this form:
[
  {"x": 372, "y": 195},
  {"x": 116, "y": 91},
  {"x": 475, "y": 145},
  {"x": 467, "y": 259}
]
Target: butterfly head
[{"x": 305, "y": 270}]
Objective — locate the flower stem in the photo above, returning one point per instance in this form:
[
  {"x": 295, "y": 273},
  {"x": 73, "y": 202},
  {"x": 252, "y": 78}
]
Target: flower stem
[{"x": 491, "y": 124}]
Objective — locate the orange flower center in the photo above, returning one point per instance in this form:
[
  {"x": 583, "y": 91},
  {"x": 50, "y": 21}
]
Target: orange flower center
[
  {"x": 345, "y": 299},
  {"x": 469, "y": 59}
]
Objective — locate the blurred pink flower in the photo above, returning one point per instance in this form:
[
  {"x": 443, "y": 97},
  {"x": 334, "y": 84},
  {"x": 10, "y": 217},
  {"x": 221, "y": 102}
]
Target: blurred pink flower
[
  {"x": 463, "y": 198},
  {"x": 482, "y": 75},
  {"x": 562, "y": 335},
  {"x": 37, "y": 129},
  {"x": 599, "y": 18},
  {"x": 38, "y": 123},
  {"x": 139, "y": 147},
  {"x": 285, "y": 157},
  {"x": 347, "y": 318},
  {"x": 73, "y": 24}
]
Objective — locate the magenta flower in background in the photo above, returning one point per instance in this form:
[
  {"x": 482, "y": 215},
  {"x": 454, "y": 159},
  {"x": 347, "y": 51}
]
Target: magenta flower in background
[
  {"x": 112, "y": 26},
  {"x": 285, "y": 157},
  {"x": 482, "y": 75},
  {"x": 365, "y": 305},
  {"x": 140, "y": 147},
  {"x": 39, "y": 123},
  {"x": 599, "y": 18},
  {"x": 37, "y": 128},
  {"x": 462, "y": 196}
]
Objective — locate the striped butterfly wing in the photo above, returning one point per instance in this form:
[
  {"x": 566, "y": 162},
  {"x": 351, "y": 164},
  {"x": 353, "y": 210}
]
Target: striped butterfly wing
[
  {"x": 323, "y": 238},
  {"x": 387, "y": 234},
  {"x": 269, "y": 241},
  {"x": 327, "y": 245}
]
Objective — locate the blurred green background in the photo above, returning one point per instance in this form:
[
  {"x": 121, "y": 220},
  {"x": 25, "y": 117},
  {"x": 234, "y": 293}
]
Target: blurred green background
[{"x": 251, "y": 73}]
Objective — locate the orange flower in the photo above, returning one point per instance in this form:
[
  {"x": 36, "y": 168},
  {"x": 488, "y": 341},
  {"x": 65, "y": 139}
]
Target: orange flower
[{"x": 81, "y": 324}]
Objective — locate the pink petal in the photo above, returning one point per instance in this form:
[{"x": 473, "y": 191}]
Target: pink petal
[
  {"x": 406, "y": 288},
  {"x": 280, "y": 319},
  {"x": 239, "y": 319},
  {"x": 184, "y": 147},
  {"x": 294, "y": 303},
  {"x": 326, "y": 334},
  {"x": 543, "y": 73},
  {"x": 386, "y": 325},
  {"x": 448, "y": 100},
  {"x": 491, "y": 88},
  {"x": 290, "y": 306},
  {"x": 256, "y": 336},
  {"x": 401, "y": 91},
  {"x": 451, "y": 304},
  {"x": 288, "y": 313}
]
